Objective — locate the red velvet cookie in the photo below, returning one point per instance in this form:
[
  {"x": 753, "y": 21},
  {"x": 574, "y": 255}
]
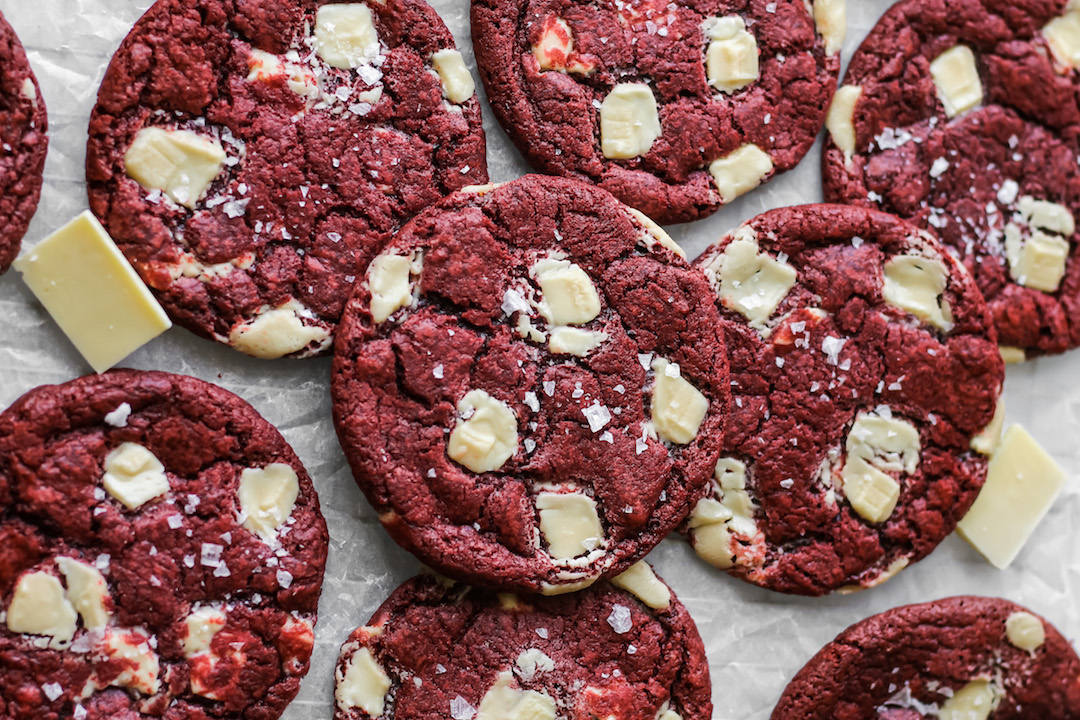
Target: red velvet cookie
[
  {"x": 161, "y": 553},
  {"x": 959, "y": 658},
  {"x": 436, "y": 650},
  {"x": 864, "y": 370},
  {"x": 961, "y": 115},
  {"x": 527, "y": 385},
  {"x": 23, "y": 143},
  {"x": 251, "y": 157},
  {"x": 676, "y": 108}
]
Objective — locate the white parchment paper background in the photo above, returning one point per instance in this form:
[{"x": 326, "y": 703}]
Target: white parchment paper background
[{"x": 756, "y": 640}]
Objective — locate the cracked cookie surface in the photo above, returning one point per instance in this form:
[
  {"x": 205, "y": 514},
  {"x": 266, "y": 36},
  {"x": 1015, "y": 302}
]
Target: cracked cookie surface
[
  {"x": 250, "y": 158},
  {"x": 864, "y": 370},
  {"x": 526, "y": 385},
  {"x": 437, "y": 649},
  {"x": 961, "y": 657},
  {"x": 675, "y": 108},
  {"x": 162, "y": 553},
  {"x": 23, "y": 143},
  {"x": 961, "y": 115}
]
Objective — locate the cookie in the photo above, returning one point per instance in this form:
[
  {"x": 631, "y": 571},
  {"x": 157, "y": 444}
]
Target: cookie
[
  {"x": 161, "y": 553},
  {"x": 960, "y": 115},
  {"x": 23, "y": 143},
  {"x": 961, "y": 657},
  {"x": 526, "y": 385},
  {"x": 676, "y": 108},
  {"x": 866, "y": 379},
  {"x": 251, "y": 158},
  {"x": 436, "y": 649}
]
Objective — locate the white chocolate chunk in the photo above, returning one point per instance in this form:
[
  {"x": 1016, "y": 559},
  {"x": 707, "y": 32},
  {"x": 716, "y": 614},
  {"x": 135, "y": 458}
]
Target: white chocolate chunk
[
  {"x": 629, "y": 121},
  {"x": 569, "y": 296},
  {"x": 1037, "y": 262},
  {"x": 134, "y": 475},
  {"x": 1025, "y": 631},
  {"x": 956, "y": 77},
  {"x": 140, "y": 662},
  {"x": 569, "y": 523},
  {"x": 1021, "y": 484},
  {"x": 457, "y": 81},
  {"x": 875, "y": 445},
  {"x": 486, "y": 436},
  {"x": 884, "y": 576},
  {"x": 751, "y": 282},
  {"x": 987, "y": 441},
  {"x": 363, "y": 684},
  {"x": 741, "y": 171},
  {"x": 39, "y": 607},
  {"x": 732, "y": 55},
  {"x": 29, "y": 90},
  {"x": 678, "y": 408},
  {"x": 654, "y": 234},
  {"x": 92, "y": 292},
  {"x": 667, "y": 713},
  {"x": 830, "y": 17},
  {"x": 555, "y": 47},
  {"x": 532, "y": 662},
  {"x": 574, "y": 341},
  {"x": 86, "y": 591},
  {"x": 267, "y": 497},
  {"x": 1063, "y": 36},
  {"x": 1045, "y": 215},
  {"x": 640, "y": 580},
  {"x": 345, "y": 35},
  {"x": 277, "y": 332},
  {"x": 391, "y": 288},
  {"x": 202, "y": 625},
  {"x": 504, "y": 701},
  {"x": 974, "y": 701},
  {"x": 841, "y": 119},
  {"x": 1012, "y": 355},
  {"x": 180, "y": 163},
  {"x": 721, "y": 526},
  {"x": 264, "y": 66},
  {"x": 914, "y": 283}
]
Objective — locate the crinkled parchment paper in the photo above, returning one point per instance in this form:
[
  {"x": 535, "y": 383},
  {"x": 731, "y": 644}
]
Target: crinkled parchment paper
[{"x": 756, "y": 639}]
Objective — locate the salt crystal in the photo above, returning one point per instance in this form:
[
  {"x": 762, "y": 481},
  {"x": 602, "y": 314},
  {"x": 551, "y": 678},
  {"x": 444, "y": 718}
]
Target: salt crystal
[
  {"x": 607, "y": 437},
  {"x": 284, "y": 579},
  {"x": 578, "y": 392},
  {"x": 672, "y": 370},
  {"x": 530, "y": 445},
  {"x": 189, "y": 560},
  {"x": 645, "y": 359},
  {"x": 620, "y": 389},
  {"x": 787, "y": 483},
  {"x": 939, "y": 167},
  {"x": 102, "y": 562},
  {"x": 832, "y": 346},
  {"x": 597, "y": 415},
  {"x": 438, "y": 372},
  {"x": 174, "y": 521},
  {"x": 532, "y": 401},
  {"x": 53, "y": 690},
  {"x": 119, "y": 416},
  {"x": 542, "y": 632},
  {"x": 460, "y": 709},
  {"x": 1008, "y": 192},
  {"x": 619, "y": 619},
  {"x": 549, "y": 387},
  {"x": 211, "y": 554}
]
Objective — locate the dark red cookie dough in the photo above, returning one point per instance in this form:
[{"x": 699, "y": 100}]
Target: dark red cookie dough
[
  {"x": 447, "y": 650},
  {"x": 840, "y": 385},
  {"x": 967, "y": 175},
  {"x": 23, "y": 143},
  {"x": 472, "y": 334},
  {"x": 553, "y": 116},
  {"x": 323, "y": 163},
  {"x": 185, "y": 552},
  {"x": 911, "y": 662}
]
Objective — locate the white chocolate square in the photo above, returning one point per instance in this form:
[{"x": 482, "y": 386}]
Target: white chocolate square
[
  {"x": 1037, "y": 262},
  {"x": 363, "y": 684},
  {"x": 974, "y": 701},
  {"x": 1021, "y": 484},
  {"x": 878, "y": 444},
  {"x": 267, "y": 497},
  {"x": 1025, "y": 631},
  {"x": 641, "y": 581},
  {"x": 92, "y": 292},
  {"x": 678, "y": 408},
  {"x": 841, "y": 119},
  {"x": 457, "y": 81},
  {"x": 264, "y": 66},
  {"x": 555, "y": 46},
  {"x": 629, "y": 121},
  {"x": 39, "y": 607},
  {"x": 751, "y": 282},
  {"x": 131, "y": 650},
  {"x": 723, "y": 528},
  {"x": 504, "y": 701},
  {"x": 277, "y": 332},
  {"x": 732, "y": 55},
  {"x": 740, "y": 172},
  {"x": 202, "y": 625},
  {"x": 654, "y": 234},
  {"x": 180, "y": 163},
  {"x": 1045, "y": 215},
  {"x": 134, "y": 475},
  {"x": 86, "y": 591},
  {"x": 1062, "y": 35},
  {"x": 872, "y": 493},
  {"x": 987, "y": 441},
  {"x": 345, "y": 35},
  {"x": 569, "y": 523},
  {"x": 391, "y": 289},
  {"x": 486, "y": 435},
  {"x": 915, "y": 284},
  {"x": 956, "y": 77},
  {"x": 569, "y": 296},
  {"x": 575, "y": 341},
  {"x": 830, "y": 17}
]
